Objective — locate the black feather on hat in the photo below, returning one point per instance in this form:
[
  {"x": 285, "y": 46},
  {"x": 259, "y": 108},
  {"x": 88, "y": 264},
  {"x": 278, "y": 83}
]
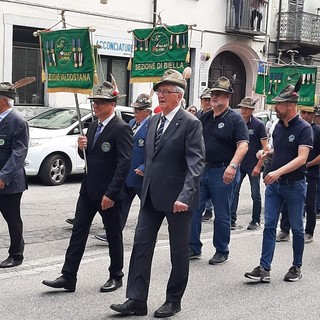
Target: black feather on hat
[{"x": 289, "y": 93}]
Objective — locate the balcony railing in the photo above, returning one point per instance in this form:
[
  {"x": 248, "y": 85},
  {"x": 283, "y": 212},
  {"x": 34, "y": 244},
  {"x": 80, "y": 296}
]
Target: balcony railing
[
  {"x": 247, "y": 16},
  {"x": 300, "y": 27}
]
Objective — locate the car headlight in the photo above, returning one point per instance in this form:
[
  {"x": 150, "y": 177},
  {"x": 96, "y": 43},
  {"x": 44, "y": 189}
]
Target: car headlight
[{"x": 37, "y": 141}]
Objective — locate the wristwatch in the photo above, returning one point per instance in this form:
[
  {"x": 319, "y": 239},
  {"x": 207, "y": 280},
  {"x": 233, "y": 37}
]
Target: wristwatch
[{"x": 233, "y": 165}]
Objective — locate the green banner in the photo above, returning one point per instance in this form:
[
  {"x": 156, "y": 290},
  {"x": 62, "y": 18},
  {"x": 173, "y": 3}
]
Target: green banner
[
  {"x": 68, "y": 59},
  {"x": 157, "y": 50},
  {"x": 277, "y": 77}
]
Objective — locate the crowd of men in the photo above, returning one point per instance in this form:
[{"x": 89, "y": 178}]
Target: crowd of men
[{"x": 186, "y": 166}]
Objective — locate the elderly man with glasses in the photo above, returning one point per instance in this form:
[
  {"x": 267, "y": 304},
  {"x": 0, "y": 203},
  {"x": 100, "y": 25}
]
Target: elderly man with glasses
[{"x": 173, "y": 165}]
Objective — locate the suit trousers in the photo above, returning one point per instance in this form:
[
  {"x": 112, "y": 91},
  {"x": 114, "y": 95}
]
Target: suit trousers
[
  {"x": 127, "y": 202},
  {"x": 85, "y": 212},
  {"x": 149, "y": 222},
  {"x": 10, "y": 209}
]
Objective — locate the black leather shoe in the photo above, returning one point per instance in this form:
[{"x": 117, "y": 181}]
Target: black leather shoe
[
  {"x": 111, "y": 285},
  {"x": 10, "y": 262},
  {"x": 168, "y": 309},
  {"x": 131, "y": 307},
  {"x": 70, "y": 221},
  {"x": 61, "y": 282}
]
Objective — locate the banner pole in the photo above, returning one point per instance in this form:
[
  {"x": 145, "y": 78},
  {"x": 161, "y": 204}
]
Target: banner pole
[{"x": 81, "y": 131}]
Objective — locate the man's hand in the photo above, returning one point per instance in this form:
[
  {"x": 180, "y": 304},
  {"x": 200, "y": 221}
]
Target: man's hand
[
  {"x": 179, "y": 206},
  {"x": 229, "y": 175},
  {"x": 256, "y": 171},
  {"x": 82, "y": 142},
  {"x": 106, "y": 203},
  {"x": 271, "y": 177},
  {"x": 139, "y": 172},
  {"x": 2, "y": 184}
]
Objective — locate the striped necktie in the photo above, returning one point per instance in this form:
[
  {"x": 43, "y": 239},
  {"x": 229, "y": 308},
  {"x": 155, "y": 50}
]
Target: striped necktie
[
  {"x": 98, "y": 132},
  {"x": 135, "y": 127},
  {"x": 159, "y": 132}
]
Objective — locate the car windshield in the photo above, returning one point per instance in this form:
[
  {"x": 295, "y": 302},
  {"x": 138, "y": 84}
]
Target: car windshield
[{"x": 57, "y": 118}]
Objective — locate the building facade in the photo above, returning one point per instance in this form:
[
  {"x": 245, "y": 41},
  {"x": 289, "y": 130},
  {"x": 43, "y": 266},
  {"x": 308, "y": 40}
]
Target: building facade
[{"x": 228, "y": 37}]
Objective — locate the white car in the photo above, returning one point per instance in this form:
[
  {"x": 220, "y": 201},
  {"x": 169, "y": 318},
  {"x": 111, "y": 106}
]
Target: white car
[{"x": 53, "y": 150}]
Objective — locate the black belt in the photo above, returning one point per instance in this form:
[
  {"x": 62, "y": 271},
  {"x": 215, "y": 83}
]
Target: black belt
[
  {"x": 216, "y": 165},
  {"x": 288, "y": 181}
]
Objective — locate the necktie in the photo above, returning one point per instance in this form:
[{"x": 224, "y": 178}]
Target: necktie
[
  {"x": 98, "y": 132},
  {"x": 135, "y": 127},
  {"x": 159, "y": 132}
]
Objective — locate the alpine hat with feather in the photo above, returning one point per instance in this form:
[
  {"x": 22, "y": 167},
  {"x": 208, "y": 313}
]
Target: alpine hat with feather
[
  {"x": 174, "y": 77},
  {"x": 142, "y": 102},
  {"x": 289, "y": 93},
  {"x": 248, "y": 102},
  {"x": 10, "y": 90},
  {"x": 223, "y": 84},
  {"x": 108, "y": 91}
]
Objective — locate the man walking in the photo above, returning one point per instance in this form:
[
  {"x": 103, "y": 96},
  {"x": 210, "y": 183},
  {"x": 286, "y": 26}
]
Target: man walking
[
  {"x": 174, "y": 162},
  {"x": 14, "y": 141},
  {"x": 139, "y": 125},
  {"x": 108, "y": 146},
  {"x": 226, "y": 141},
  {"x": 250, "y": 165},
  {"x": 285, "y": 182}
]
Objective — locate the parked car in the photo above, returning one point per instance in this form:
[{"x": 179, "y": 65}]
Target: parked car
[
  {"x": 52, "y": 153},
  {"x": 266, "y": 115}
]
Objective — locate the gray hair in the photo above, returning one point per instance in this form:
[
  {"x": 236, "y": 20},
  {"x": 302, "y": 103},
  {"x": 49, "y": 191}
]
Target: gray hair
[{"x": 9, "y": 100}]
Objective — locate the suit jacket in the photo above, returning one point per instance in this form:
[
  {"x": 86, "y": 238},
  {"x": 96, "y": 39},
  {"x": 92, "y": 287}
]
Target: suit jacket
[
  {"x": 138, "y": 154},
  {"x": 173, "y": 170},
  {"x": 108, "y": 160},
  {"x": 14, "y": 141}
]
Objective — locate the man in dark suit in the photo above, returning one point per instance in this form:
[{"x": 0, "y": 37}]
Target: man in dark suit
[
  {"x": 139, "y": 125},
  {"x": 174, "y": 162},
  {"x": 108, "y": 147},
  {"x": 14, "y": 141}
]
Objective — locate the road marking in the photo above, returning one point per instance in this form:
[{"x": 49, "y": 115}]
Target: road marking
[{"x": 55, "y": 263}]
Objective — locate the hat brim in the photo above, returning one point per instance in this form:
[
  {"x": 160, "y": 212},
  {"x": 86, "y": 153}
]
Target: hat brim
[
  {"x": 207, "y": 96},
  {"x": 280, "y": 99},
  {"x": 245, "y": 106},
  {"x": 106, "y": 97},
  {"x": 180, "y": 83},
  {"x": 307, "y": 109},
  {"x": 220, "y": 89},
  {"x": 8, "y": 94},
  {"x": 139, "y": 106}
]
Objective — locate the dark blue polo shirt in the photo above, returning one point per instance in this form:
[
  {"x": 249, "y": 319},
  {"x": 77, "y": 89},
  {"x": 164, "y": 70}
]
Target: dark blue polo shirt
[
  {"x": 286, "y": 141},
  {"x": 257, "y": 132},
  {"x": 314, "y": 170},
  {"x": 221, "y": 135}
]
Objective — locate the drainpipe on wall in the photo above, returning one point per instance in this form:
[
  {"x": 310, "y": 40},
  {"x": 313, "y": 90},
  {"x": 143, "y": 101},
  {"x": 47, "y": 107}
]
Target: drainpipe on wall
[
  {"x": 155, "y": 6},
  {"x": 278, "y": 26}
]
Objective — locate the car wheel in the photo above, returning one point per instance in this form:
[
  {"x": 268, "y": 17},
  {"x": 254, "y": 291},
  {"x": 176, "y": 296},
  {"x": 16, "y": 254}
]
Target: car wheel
[{"x": 53, "y": 170}]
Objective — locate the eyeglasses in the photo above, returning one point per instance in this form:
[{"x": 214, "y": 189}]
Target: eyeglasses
[
  {"x": 165, "y": 92},
  {"x": 98, "y": 102},
  {"x": 206, "y": 99},
  {"x": 304, "y": 112},
  {"x": 192, "y": 111}
]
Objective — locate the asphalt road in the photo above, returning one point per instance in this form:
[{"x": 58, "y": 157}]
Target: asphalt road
[{"x": 213, "y": 292}]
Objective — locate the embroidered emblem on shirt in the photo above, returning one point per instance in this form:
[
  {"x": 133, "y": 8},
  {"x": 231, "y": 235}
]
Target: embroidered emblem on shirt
[
  {"x": 140, "y": 142},
  {"x": 220, "y": 125},
  {"x": 106, "y": 146},
  {"x": 291, "y": 138},
  {"x": 251, "y": 131},
  {"x": 1, "y": 142}
]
